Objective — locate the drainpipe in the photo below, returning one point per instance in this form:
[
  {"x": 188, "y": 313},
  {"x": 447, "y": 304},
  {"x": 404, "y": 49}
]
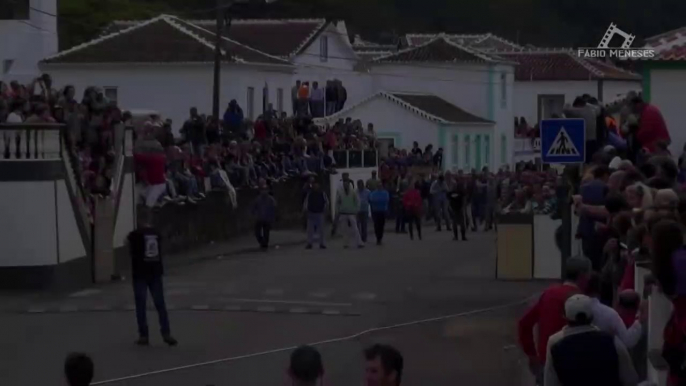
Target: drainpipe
[{"x": 600, "y": 90}]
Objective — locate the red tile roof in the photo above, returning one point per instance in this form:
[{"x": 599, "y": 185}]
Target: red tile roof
[
  {"x": 430, "y": 107},
  {"x": 439, "y": 107},
  {"x": 164, "y": 39},
  {"x": 562, "y": 65},
  {"x": 438, "y": 50},
  {"x": 669, "y": 46},
  {"x": 285, "y": 38}
]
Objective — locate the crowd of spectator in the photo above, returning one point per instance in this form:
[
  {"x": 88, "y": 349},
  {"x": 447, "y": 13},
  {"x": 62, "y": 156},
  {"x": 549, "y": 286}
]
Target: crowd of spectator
[
  {"x": 316, "y": 101},
  {"x": 631, "y": 204},
  {"x": 90, "y": 126}
]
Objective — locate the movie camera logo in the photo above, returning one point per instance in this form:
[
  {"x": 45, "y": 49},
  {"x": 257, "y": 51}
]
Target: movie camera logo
[{"x": 624, "y": 52}]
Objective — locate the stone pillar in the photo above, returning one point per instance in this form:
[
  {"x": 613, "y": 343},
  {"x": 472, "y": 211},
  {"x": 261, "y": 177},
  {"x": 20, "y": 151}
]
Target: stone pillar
[{"x": 103, "y": 249}]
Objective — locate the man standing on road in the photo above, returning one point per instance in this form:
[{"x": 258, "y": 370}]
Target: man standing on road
[
  {"x": 363, "y": 213},
  {"x": 264, "y": 211},
  {"x": 378, "y": 201},
  {"x": 316, "y": 204},
  {"x": 582, "y": 355},
  {"x": 548, "y": 313},
  {"x": 306, "y": 368},
  {"x": 146, "y": 268},
  {"x": 347, "y": 206},
  {"x": 439, "y": 191},
  {"x": 456, "y": 198},
  {"x": 384, "y": 366},
  {"x": 345, "y": 178}
]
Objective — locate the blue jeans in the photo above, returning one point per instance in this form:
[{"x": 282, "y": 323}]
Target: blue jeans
[
  {"x": 315, "y": 224},
  {"x": 140, "y": 292}
]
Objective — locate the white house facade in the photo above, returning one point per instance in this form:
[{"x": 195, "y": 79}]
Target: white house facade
[
  {"x": 472, "y": 80},
  {"x": 546, "y": 80},
  {"x": 401, "y": 118},
  {"x": 28, "y": 33},
  {"x": 664, "y": 82},
  {"x": 165, "y": 64}
]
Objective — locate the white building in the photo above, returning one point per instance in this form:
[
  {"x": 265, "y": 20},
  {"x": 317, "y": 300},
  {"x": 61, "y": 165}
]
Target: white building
[
  {"x": 547, "y": 79},
  {"x": 401, "y": 118},
  {"x": 476, "y": 82},
  {"x": 28, "y": 33},
  {"x": 664, "y": 82}
]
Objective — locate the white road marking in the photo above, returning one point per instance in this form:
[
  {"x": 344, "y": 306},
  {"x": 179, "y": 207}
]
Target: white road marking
[
  {"x": 294, "y": 302},
  {"x": 84, "y": 293},
  {"x": 329, "y": 341}
]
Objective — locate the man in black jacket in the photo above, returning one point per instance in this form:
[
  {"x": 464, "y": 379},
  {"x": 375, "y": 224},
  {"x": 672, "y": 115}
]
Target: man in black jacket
[
  {"x": 456, "y": 198},
  {"x": 315, "y": 206},
  {"x": 147, "y": 270}
]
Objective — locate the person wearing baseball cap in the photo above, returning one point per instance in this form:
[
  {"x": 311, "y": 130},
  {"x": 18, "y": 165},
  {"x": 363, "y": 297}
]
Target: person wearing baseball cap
[{"x": 582, "y": 355}]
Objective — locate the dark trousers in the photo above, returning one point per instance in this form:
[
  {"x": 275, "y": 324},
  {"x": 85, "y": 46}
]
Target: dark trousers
[
  {"x": 140, "y": 292},
  {"x": 413, "y": 219},
  {"x": 362, "y": 219},
  {"x": 458, "y": 221},
  {"x": 262, "y": 229},
  {"x": 379, "y": 219},
  {"x": 400, "y": 219},
  {"x": 591, "y": 148}
]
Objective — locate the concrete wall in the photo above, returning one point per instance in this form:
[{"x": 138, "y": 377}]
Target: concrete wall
[
  {"x": 667, "y": 93},
  {"x": 126, "y": 212},
  {"x": 26, "y": 42},
  {"x": 182, "y": 86},
  {"x": 214, "y": 220},
  {"x": 29, "y": 236}
]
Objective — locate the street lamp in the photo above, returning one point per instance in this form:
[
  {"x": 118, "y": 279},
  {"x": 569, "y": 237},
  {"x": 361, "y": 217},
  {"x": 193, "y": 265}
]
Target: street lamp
[{"x": 223, "y": 7}]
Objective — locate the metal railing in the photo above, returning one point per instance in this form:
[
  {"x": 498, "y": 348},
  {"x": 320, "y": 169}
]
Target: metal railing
[{"x": 31, "y": 141}]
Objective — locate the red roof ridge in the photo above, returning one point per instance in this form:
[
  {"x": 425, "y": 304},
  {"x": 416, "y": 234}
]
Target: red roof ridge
[
  {"x": 665, "y": 34},
  {"x": 587, "y": 65},
  {"x": 79, "y": 47},
  {"x": 440, "y": 37},
  {"x": 176, "y": 19}
]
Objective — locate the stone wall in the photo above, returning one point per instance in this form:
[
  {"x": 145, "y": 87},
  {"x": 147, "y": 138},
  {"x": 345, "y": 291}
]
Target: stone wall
[{"x": 214, "y": 219}]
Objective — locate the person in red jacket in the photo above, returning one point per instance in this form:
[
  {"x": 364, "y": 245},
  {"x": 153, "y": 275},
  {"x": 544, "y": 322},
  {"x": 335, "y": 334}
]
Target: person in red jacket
[
  {"x": 152, "y": 166},
  {"x": 412, "y": 203},
  {"x": 548, "y": 313},
  {"x": 652, "y": 127}
]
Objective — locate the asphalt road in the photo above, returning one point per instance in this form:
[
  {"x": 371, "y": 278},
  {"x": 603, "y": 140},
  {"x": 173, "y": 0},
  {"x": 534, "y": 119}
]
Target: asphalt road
[{"x": 249, "y": 310}]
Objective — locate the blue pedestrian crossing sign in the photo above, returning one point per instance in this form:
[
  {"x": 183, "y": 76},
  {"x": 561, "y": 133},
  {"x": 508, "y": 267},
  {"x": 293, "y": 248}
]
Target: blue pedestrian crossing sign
[{"x": 563, "y": 141}]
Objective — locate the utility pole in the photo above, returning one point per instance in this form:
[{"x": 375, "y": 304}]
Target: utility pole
[{"x": 217, "y": 60}]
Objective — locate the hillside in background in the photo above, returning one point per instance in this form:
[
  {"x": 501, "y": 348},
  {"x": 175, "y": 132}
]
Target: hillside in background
[{"x": 551, "y": 23}]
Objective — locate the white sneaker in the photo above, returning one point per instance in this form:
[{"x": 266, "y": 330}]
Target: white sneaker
[
  {"x": 191, "y": 201},
  {"x": 202, "y": 195}
]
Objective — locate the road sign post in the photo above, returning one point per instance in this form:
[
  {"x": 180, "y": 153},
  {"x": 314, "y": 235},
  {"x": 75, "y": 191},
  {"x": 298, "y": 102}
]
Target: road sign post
[{"x": 563, "y": 141}]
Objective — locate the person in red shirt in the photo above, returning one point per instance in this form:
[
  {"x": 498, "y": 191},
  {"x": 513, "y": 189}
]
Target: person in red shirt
[
  {"x": 260, "y": 129},
  {"x": 652, "y": 127},
  {"x": 412, "y": 204},
  {"x": 548, "y": 313},
  {"x": 152, "y": 165}
]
